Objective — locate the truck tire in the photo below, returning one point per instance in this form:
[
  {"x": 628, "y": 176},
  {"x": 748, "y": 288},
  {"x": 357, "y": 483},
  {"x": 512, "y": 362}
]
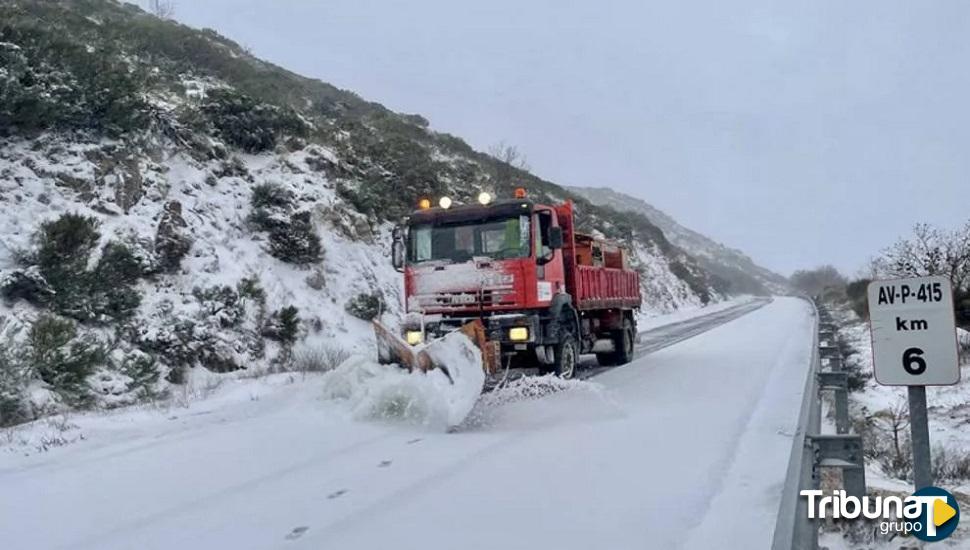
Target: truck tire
[
  {"x": 623, "y": 341},
  {"x": 566, "y": 350},
  {"x": 567, "y": 356}
]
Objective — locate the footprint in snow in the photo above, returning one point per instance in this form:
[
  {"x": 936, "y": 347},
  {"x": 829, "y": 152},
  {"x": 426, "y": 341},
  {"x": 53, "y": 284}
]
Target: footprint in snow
[
  {"x": 384, "y": 464},
  {"x": 297, "y": 532},
  {"x": 413, "y": 441},
  {"x": 336, "y": 494}
]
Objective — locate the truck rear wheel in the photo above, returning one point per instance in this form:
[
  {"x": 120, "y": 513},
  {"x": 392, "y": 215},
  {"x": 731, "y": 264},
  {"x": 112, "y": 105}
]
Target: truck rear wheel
[{"x": 622, "y": 353}]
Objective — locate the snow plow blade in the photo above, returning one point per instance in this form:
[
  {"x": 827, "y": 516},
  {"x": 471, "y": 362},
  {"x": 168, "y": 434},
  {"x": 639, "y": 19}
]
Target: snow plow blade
[{"x": 391, "y": 348}]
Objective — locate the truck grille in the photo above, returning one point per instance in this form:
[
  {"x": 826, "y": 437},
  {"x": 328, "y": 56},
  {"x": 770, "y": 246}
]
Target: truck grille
[{"x": 465, "y": 300}]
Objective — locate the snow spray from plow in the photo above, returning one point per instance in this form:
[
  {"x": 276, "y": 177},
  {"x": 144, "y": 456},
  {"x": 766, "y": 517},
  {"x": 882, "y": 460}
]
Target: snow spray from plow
[
  {"x": 437, "y": 398},
  {"x": 449, "y": 397}
]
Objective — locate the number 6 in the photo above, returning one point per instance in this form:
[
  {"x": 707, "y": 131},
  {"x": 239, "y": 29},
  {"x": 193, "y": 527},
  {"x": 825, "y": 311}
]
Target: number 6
[{"x": 913, "y": 361}]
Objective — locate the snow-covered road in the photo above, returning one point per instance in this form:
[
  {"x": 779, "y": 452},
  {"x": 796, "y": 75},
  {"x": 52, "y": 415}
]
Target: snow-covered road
[{"x": 684, "y": 448}]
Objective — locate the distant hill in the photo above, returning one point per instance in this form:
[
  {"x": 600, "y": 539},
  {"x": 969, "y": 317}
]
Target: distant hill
[{"x": 730, "y": 264}]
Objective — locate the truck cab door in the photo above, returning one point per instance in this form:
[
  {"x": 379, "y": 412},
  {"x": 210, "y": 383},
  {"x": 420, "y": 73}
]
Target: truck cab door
[{"x": 550, "y": 275}]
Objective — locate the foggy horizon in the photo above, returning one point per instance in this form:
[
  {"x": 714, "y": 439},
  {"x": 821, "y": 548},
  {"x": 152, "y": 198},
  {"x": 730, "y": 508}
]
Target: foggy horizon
[{"x": 801, "y": 135}]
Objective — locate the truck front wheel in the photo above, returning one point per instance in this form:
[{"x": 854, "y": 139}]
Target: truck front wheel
[{"x": 567, "y": 354}]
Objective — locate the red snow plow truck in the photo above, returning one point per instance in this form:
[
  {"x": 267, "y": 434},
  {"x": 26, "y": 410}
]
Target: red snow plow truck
[{"x": 518, "y": 280}]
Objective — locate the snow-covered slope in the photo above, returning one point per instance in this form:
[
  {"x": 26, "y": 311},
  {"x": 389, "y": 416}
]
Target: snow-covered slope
[
  {"x": 731, "y": 264},
  {"x": 171, "y": 203}
]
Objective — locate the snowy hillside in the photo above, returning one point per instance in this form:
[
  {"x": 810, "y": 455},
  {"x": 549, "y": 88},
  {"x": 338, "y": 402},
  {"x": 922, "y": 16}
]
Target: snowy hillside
[
  {"x": 173, "y": 205},
  {"x": 731, "y": 264}
]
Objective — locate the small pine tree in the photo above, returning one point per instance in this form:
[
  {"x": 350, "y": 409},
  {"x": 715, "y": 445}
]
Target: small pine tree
[
  {"x": 61, "y": 359},
  {"x": 249, "y": 287},
  {"x": 289, "y": 323},
  {"x": 142, "y": 370},
  {"x": 366, "y": 305},
  {"x": 296, "y": 242},
  {"x": 13, "y": 409}
]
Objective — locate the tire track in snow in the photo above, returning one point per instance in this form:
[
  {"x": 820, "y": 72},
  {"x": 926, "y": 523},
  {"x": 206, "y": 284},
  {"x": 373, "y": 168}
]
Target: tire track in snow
[{"x": 664, "y": 336}]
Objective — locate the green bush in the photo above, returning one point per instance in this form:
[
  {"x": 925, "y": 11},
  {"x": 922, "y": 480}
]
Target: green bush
[
  {"x": 220, "y": 303},
  {"x": 53, "y": 80},
  {"x": 283, "y": 325},
  {"x": 110, "y": 284},
  {"x": 272, "y": 207},
  {"x": 247, "y": 123},
  {"x": 856, "y": 293},
  {"x": 270, "y": 195},
  {"x": 61, "y": 359},
  {"x": 64, "y": 248},
  {"x": 366, "y": 305},
  {"x": 172, "y": 242},
  {"x": 65, "y": 244},
  {"x": 249, "y": 287},
  {"x": 13, "y": 388},
  {"x": 143, "y": 371},
  {"x": 296, "y": 242}
]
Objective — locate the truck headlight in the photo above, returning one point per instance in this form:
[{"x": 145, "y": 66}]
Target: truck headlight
[
  {"x": 519, "y": 334},
  {"x": 414, "y": 337}
]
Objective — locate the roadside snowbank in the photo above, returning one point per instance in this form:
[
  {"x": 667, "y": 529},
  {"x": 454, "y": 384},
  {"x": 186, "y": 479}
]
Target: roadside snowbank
[{"x": 647, "y": 320}]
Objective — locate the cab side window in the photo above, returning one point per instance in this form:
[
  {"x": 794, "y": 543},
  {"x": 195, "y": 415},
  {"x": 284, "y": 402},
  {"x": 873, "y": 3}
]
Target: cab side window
[{"x": 543, "y": 223}]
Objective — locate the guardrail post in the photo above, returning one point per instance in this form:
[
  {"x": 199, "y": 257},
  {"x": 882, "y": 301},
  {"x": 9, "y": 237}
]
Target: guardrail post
[
  {"x": 837, "y": 381},
  {"x": 843, "y": 451}
]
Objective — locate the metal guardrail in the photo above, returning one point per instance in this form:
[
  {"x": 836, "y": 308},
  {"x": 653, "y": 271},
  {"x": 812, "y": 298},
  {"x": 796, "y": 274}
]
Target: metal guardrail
[{"x": 811, "y": 450}]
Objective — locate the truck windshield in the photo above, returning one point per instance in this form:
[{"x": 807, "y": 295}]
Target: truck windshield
[{"x": 499, "y": 238}]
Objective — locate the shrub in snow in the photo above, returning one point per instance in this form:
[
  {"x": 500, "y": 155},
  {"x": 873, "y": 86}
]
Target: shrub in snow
[
  {"x": 60, "y": 278},
  {"x": 963, "y": 338},
  {"x": 176, "y": 344},
  {"x": 297, "y": 242},
  {"x": 220, "y": 303},
  {"x": 250, "y": 288},
  {"x": 319, "y": 358},
  {"x": 271, "y": 195},
  {"x": 855, "y": 293},
  {"x": 13, "y": 389},
  {"x": 64, "y": 246},
  {"x": 292, "y": 237},
  {"x": 223, "y": 334},
  {"x": 26, "y": 284},
  {"x": 252, "y": 126},
  {"x": 399, "y": 168},
  {"x": 141, "y": 370},
  {"x": 172, "y": 242},
  {"x": 950, "y": 464},
  {"x": 283, "y": 325},
  {"x": 62, "y": 359},
  {"x": 52, "y": 81},
  {"x": 232, "y": 167},
  {"x": 366, "y": 305},
  {"x": 110, "y": 284},
  {"x": 852, "y": 365}
]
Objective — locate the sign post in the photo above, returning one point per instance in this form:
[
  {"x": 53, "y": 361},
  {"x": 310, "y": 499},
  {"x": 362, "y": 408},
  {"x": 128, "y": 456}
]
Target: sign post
[{"x": 914, "y": 344}]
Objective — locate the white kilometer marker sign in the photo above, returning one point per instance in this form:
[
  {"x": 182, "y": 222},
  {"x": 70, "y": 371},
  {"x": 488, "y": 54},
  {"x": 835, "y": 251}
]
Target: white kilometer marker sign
[{"x": 914, "y": 340}]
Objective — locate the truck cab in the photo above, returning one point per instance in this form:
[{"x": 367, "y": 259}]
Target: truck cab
[{"x": 514, "y": 265}]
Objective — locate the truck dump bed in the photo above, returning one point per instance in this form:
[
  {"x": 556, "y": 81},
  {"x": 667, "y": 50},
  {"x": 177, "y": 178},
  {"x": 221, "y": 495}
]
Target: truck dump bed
[{"x": 597, "y": 274}]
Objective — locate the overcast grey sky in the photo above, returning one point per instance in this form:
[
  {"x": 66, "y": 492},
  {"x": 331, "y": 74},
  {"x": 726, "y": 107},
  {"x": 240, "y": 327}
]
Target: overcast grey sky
[{"x": 800, "y": 132}]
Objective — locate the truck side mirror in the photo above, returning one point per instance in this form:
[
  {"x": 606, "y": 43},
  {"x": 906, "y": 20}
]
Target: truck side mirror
[
  {"x": 397, "y": 249},
  {"x": 397, "y": 255},
  {"x": 555, "y": 238}
]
